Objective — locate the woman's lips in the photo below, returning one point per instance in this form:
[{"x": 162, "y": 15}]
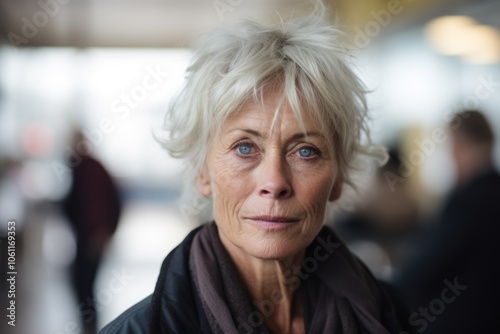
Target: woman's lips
[
  {"x": 274, "y": 222},
  {"x": 275, "y": 219}
]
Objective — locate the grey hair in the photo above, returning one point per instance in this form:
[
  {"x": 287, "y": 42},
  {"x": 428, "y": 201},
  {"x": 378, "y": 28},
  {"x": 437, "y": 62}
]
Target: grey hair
[{"x": 307, "y": 58}]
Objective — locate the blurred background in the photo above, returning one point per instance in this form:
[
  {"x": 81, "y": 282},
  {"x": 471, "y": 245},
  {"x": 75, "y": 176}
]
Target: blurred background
[{"x": 109, "y": 67}]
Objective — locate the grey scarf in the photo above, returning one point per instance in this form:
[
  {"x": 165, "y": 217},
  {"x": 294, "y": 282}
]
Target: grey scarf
[{"x": 339, "y": 293}]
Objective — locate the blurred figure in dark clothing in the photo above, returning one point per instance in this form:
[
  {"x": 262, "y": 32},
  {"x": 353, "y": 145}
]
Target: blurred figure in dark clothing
[
  {"x": 381, "y": 230},
  {"x": 453, "y": 284},
  {"x": 93, "y": 208}
]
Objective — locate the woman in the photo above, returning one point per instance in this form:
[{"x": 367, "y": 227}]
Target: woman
[{"x": 270, "y": 123}]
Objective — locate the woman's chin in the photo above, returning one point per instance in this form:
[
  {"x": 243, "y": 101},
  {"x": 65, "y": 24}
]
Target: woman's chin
[{"x": 269, "y": 250}]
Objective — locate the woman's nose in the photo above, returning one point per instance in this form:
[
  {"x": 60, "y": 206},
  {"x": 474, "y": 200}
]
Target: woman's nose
[{"x": 273, "y": 179}]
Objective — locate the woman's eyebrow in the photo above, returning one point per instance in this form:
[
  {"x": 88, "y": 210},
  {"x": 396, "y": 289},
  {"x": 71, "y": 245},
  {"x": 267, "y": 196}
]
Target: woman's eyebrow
[
  {"x": 250, "y": 131},
  {"x": 301, "y": 135},
  {"x": 298, "y": 135}
]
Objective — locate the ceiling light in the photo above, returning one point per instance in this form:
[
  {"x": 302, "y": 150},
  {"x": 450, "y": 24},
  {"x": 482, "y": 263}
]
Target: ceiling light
[
  {"x": 486, "y": 45},
  {"x": 448, "y": 34}
]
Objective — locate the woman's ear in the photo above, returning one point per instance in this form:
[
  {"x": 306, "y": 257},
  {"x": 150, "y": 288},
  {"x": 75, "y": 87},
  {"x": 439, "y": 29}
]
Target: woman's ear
[
  {"x": 203, "y": 182},
  {"x": 336, "y": 189}
]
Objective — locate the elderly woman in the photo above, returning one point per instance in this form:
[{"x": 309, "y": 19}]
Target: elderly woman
[{"x": 269, "y": 122}]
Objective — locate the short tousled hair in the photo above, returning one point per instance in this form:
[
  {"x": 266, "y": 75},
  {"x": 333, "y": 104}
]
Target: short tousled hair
[
  {"x": 307, "y": 57},
  {"x": 473, "y": 126}
]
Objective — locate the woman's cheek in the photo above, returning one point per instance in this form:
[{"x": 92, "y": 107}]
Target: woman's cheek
[{"x": 232, "y": 185}]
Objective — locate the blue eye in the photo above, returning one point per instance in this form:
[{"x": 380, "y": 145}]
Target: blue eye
[
  {"x": 305, "y": 152},
  {"x": 244, "y": 149}
]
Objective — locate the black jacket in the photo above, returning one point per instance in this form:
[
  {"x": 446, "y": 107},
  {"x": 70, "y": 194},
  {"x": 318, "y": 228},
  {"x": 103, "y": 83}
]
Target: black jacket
[
  {"x": 462, "y": 251},
  {"x": 183, "y": 311}
]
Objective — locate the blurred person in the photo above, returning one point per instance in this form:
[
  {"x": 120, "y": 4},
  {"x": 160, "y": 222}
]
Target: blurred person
[
  {"x": 93, "y": 207},
  {"x": 453, "y": 283},
  {"x": 383, "y": 227},
  {"x": 270, "y": 123}
]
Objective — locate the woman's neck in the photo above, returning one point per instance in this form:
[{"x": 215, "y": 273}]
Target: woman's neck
[{"x": 273, "y": 288}]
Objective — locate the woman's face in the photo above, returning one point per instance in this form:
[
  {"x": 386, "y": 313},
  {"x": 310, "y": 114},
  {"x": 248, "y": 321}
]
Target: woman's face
[{"x": 269, "y": 189}]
